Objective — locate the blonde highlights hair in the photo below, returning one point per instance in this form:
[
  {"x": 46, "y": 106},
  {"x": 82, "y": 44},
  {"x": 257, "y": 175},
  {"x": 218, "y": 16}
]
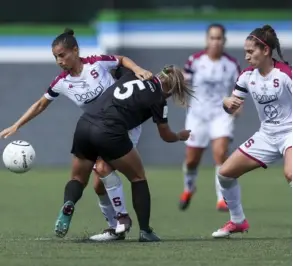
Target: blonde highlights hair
[{"x": 172, "y": 76}]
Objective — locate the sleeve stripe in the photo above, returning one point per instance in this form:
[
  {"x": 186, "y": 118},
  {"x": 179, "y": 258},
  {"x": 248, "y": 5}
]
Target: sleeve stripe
[
  {"x": 52, "y": 93},
  {"x": 189, "y": 71},
  {"x": 240, "y": 92},
  {"x": 237, "y": 87}
]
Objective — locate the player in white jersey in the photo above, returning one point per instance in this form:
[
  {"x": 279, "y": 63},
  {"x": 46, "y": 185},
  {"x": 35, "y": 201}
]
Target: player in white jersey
[
  {"x": 82, "y": 81},
  {"x": 269, "y": 83},
  {"x": 212, "y": 73}
]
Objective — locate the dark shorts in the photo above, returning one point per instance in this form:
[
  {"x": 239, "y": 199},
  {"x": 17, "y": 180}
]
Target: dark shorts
[{"x": 92, "y": 141}]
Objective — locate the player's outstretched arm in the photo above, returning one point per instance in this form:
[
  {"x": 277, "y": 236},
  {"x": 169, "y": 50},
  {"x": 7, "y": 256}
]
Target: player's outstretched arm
[
  {"x": 139, "y": 72},
  {"x": 169, "y": 136},
  {"x": 232, "y": 104},
  {"x": 37, "y": 108}
]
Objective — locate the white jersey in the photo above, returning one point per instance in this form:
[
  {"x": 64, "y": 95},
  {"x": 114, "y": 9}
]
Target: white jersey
[
  {"x": 272, "y": 96},
  {"x": 94, "y": 79},
  {"x": 211, "y": 80}
]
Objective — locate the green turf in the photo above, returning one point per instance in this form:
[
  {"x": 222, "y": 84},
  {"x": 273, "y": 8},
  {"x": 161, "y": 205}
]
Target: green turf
[
  {"x": 45, "y": 29},
  {"x": 191, "y": 14},
  {"x": 29, "y": 205}
]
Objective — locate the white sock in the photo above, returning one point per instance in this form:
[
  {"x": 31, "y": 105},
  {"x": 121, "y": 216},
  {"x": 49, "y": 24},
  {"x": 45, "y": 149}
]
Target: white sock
[
  {"x": 217, "y": 184},
  {"x": 108, "y": 210},
  {"x": 190, "y": 176},
  {"x": 114, "y": 189},
  {"x": 231, "y": 192}
]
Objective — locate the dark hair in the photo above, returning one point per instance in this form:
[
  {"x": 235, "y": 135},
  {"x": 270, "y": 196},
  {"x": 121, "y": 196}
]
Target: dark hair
[
  {"x": 179, "y": 90},
  {"x": 67, "y": 39},
  {"x": 216, "y": 25},
  {"x": 266, "y": 36}
]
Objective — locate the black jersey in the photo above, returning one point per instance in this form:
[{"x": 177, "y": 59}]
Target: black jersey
[{"x": 129, "y": 102}]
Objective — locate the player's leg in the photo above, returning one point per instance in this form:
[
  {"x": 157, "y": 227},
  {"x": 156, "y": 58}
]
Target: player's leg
[
  {"x": 114, "y": 194},
  {"x": 220, "y": 153},
  {"x": 102, "y": 169},
  {"x": 127, "y": 161},
  {"x": 254, "y": 153},
  {"x": 81, "y": 170},
  {"x": 82, "y": 164},
  {"x": 190, "y": 167},
  {"x": 221, "y": 133},
  {"x": 195, "y": 147}
]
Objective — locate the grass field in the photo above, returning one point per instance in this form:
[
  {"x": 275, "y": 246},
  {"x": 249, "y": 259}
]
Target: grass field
[{"x": 29, "y": 205}]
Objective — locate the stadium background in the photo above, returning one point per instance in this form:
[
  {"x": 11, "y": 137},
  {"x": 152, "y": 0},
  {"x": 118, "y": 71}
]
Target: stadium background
[
  {"x": 153, "y": 36},
  {"x": 154, "y": 33}
]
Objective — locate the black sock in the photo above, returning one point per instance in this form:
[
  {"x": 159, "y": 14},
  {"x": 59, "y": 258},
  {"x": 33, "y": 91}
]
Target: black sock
[
  {"x": 141, "y": 201},
  {"x": 73, "y": 191}
]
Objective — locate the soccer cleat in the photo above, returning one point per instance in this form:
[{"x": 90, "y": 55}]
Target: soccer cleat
[
  {"x": 124, "y": 223},
  {"x": 64, "y": 218},
  {"x": 185, "y": 200},
  {"x": 222, "y": 206},
  {"x": 108, "y": 235},
  {"x": 148, "y": 236},
  {"x": 231, "y": 228}
]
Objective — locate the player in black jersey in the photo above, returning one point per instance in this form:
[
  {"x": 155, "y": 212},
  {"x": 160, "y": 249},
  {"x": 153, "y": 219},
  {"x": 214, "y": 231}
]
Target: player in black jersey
[{"x": 102, "y": 131}]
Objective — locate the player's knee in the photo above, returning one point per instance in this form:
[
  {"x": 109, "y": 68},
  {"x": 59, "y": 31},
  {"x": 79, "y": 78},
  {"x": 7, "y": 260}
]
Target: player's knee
[
  {"x": 103, "y": 169},
  {"x": 226, "y": 182},
  {"x": 220, "y": 156},
  {"x": 80, "y": 179}
]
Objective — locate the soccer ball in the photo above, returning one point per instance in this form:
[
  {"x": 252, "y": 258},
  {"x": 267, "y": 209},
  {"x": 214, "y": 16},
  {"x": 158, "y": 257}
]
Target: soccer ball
[{"x": 18, "y": 156}]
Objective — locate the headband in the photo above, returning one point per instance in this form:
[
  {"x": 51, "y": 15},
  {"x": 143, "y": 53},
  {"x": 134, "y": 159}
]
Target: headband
[{"x": 264, "y": 43}]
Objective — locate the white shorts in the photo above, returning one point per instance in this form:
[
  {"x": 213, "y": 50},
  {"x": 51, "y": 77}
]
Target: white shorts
[
  {"x": 134, "y": 135},
  {"x": 202, "y": 130},
  {"x": 266, "y": 149}
]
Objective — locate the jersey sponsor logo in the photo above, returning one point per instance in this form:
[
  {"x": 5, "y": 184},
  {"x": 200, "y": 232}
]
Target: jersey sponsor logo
[
  {"x": 264, "y": 98},
  {"x": 152, "y": 86},
  {"x": 271, "y": 112},
  {"x": 89, "y": 96}
]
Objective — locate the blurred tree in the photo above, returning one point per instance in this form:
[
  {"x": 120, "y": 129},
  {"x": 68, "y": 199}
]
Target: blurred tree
[{"x": 76, "y": 11}]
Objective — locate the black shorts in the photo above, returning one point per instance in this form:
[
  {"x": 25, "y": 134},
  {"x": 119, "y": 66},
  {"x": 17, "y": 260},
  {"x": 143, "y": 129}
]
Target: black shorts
[{"x": 92, "y": 141}]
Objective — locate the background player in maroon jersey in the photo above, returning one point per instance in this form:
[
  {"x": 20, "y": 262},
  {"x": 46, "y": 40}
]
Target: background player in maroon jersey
[{"x": 213, "y": 74}]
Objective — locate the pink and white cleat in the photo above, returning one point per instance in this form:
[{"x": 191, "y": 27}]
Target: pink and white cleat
[{"x": 231, "y": 228}]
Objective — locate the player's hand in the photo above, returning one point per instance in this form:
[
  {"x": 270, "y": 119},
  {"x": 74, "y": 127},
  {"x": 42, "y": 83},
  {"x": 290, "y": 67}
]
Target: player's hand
[
  {"x": 232, "y": 103},
  {"x": 183, "y": 135},
  {"x": 238, "y": 112},
  {"x": 142, "y": 74},
  {"x": 8, "y": 132}
]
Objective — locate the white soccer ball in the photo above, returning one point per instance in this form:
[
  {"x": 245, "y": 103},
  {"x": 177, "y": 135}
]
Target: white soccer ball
[{"x": 19, "y": 156}]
